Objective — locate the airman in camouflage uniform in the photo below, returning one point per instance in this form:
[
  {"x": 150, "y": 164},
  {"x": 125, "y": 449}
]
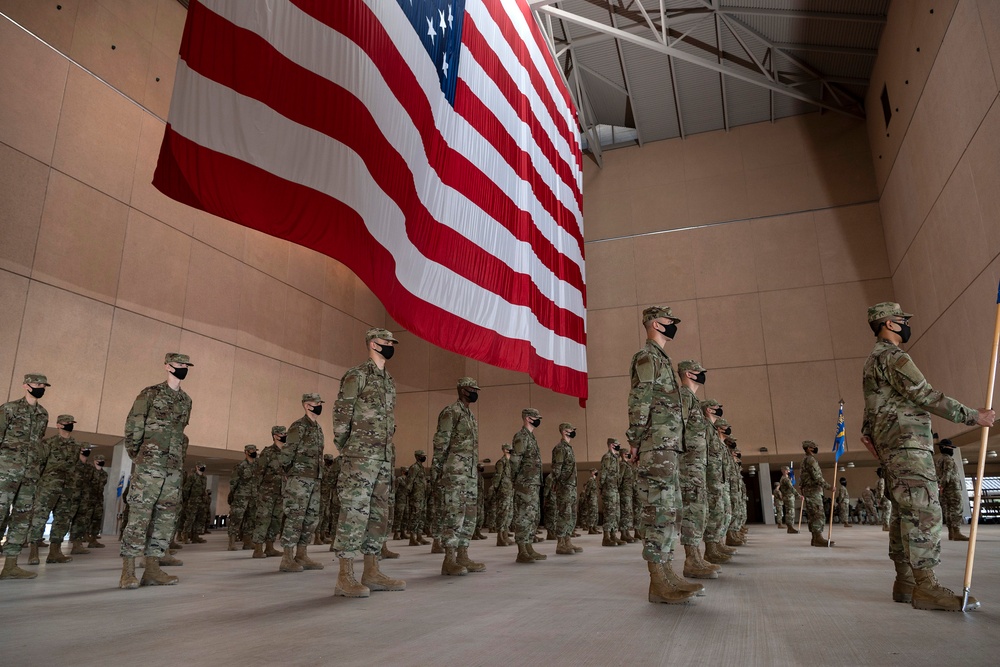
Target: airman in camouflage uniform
[
  {"x": 503, "y": 497},
  {"x": 738, "y": 495},
  {"x": 54, "y": 492},
  {"x": 813, "y": 487},
  {"x": 610, "y": 474},
  {"x": 302, "y": 464},
  {"x": 22, "y": 426},
  {"x": 589, "y": 508},
  {"x": 363, "y": 426},
  {"x": 416, "y": 486},
  {"x": 526, "y": 478},
  {"x": 242, "y": 489},
  {"x": 897, "y": 428},
  {"x": 548, "y": 507},
  {"x": 154, "y": 440},
  {"x": 951, "y": 485},
  {"x": 564, "y": 490},
  {"x": 788, "y": 494},
  {"x": 655, "y": 430},
  {"x": 843, "y": 499},
  {"x": 333, "y": 472},
  {"x": 626, "y": 497},
  {"x": 325, "y": 492},
  {"x": 267, "y": 523},
  {"x": 881, "y": 494},
  {"x": 717, "y": 474},
  {"x": 693, "y": 462},
  {"x": 401, "y": 506},
  {"x": 453, "y": 465},
  {"x": 83, "y": 477},
  {"x": 778, "y": 504},
  {"x": 97, "y": 503},
  {"x": 192, "y": 498},
  {"x": 868, "y": 500}
]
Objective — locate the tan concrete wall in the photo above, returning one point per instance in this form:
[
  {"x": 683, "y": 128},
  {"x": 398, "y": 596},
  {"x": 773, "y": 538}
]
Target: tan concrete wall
[{"x": 100, "y": 274}]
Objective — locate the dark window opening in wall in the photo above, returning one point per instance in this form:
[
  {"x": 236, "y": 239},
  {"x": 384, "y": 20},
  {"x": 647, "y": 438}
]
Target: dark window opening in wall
[{"x": 886, "y": 107}]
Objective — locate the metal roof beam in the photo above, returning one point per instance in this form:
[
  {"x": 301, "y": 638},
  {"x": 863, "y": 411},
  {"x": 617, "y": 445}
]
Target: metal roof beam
[
  {"x": 820, "y": 48},
  {"x": 801, "y": 14},
  {"x": 621, "y": 60}
]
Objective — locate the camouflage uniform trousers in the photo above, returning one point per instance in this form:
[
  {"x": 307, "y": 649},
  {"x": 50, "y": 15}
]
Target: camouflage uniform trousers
[
  {"x": 915, "y": 524},
  {"x": 239, "y": 517},
  {"x": 52, "y": 496},
  {"x": 400, "y": 513},
  {"x": 16, "y": 492},
  {"x": 192, "y": 509},
  {"x": 884, "y": 511},
  {"x": 364, "y": 487},
  {"x": 694, "y": 499},
  {"x": 872, "y": 513},
  {"x": 612, "y": 507},
  {"x": 844, "y": 511},
  {"x": 549, "y": 510},
  {"x": 565, "y": 511},
  {"x": 331, "y": 528},
  {"x": 97, "y": 520},
  {"x": 459, "y": 499},
  {"x": 658, "y": 482},
  {"x": 84, "y": 519},
  {"x": 526, "y": 513},
  {"x": 153, "y": 499},
  {"x": 627, "y": 517},
  {"x": 790, "y": 511},
  {"x": 503, "y": 503},
  {"x": 717, "y": 492},
  {"x": 300, "y": 500},
  {"x": 951, "y": 509},
  {"x": 814, "y": 508},
  {"x": 267, "y": 524},
  {"x": 415, "y": 521},
  {"x": 480, "y": 509}
]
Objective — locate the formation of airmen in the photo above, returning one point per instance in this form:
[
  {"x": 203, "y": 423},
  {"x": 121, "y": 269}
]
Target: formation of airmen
[{"x": 681, "y": 473}]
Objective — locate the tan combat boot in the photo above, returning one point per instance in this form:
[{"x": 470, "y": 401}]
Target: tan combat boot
[
  {"x": 174, "y": 546},
  {"x": 303, "y": 559},
  {"x": 704, "y": 563},
  {"x": 232, "y": 543},
  {"x": 33, "y": 553},
  {"x": 791, "y": 530},
  {"x": 661, "y": 590},
  {"x": 714, "y": 555},
  {"x": 576, "y": 549},
  {"x": 436, "y": 547},
  {"x": 12, "y": 571},
  {"x": 726, "y": 549},
  {"x": 462, "y": 558},
  {"x": 593, "y": 531},
  {"x": 78, "y": 548},
  {"x": 168, "y": 559},
  {"x": 94, "y": 544},
  {"x": 269, "y": 549},
  {"x": 902, "y": 587},
  {"x": 929, "y": 595},
  {"x": 955, "y": 534},
  {"x": 617, "y": 538},
  {"x": 693, "y": 565},
  {"x": 534, "y": 554},
  {"x": 152, "y": 575},
  {"x": 500, "y": 540},
  {"x": 347, "y": 586},
  {"x": 608, "y": 541},
  {"x": 288, "y": 563},
  {"x": 128, "y": 580},
  {"x": 731, "y": 539},
  {"x": 680, "y": 584},
  {"x": 564, "y": 549},
  {"x": 819, "y": 541},
  {"x": 413, "y": 540},
  {"x": 450, "y": 566},
  {"x": 317, "y": 539},
  {"x": 375, "y": 580},
  {"x": 396, "y": 536},
  {"x": 55, "y": 553},
  {"x": 628, "y": 537},
  {"x": 247, "y": 544},
  {"x": 386, "y": 553},
  {"x": 523, "y": 556},
  {"x": 198, "y": 539},
  {"x": 421, "y": 541},
  {"x": 258, "y": 551}
]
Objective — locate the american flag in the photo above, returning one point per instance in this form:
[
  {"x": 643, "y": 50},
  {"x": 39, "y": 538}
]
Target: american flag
[{"x": 429, "y": 145}]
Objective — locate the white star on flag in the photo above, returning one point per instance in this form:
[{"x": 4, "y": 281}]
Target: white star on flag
[
  {"x": 450, "y": 17},
  {"x": 430, "y": 30},
  {"x": 444, "y": 25},
  {"x": 444, "y": 64}
]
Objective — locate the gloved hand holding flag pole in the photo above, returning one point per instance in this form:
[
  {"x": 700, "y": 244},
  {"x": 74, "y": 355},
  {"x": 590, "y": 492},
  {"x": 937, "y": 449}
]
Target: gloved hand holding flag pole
[{"x": 839, "y": 447}]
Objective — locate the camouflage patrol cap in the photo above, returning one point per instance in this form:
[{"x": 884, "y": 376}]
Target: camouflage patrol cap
[
  {"x": 100, "y": 458},
  {"x": 65, "y": 419},
  {"x": 378, "y": 332},
  {"x": 328, "y": 457},
  {"x": 530, "y": 412},
  {"x": 785, "y": 469},
  {"x": 709, "y": 403},
  {"x": 249, "y": 448},
  {"x": 566, "y": 426},
  {"x": 278, "y": 430},
  {"x": 808, "y": 444},
  {"x": 722, "y": 423},
  {"x": 613, "y": 441},
  {"x": 505, "y": 447},
  {"x": 177, "y": 358},
  {"x": 690, "y": 365},
  {"x": 886, "y": 309},
  {"x": 731, "y": 443},
  {"x": 312, "y": 398},
  {"x": 468, "y": 382},
  {"x": 199, "y": 464},
  {"x": 420, "y": 452},
  {"x": 36, "y": 378},
  {"x": 655, "y": 312}
]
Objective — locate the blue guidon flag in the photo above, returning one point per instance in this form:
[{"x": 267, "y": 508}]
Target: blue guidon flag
[
  {"x": 429, "y": 145},
  {"x": 840, "y": 440}
]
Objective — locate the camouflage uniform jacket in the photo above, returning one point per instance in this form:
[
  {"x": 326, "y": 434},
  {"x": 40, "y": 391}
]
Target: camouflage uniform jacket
[
  {"x": 626, "y": 481},
  {"x": 880, "y": 490},
  {"x": 867, "y": 497},
  {"x": 22, "y": 427},
  {"x": 81, "y": 479},
  {"x": 501, "y": 477},
  {"x": 786, "y": 489},
  {"x": 812, "y": 476},
  {"x": 302, "y": 455},
  {"x": 654, "y": 403},
  {"x": 610, "y": 470},
  {"x": 97, "y": 486},
  {"x": 456, "y": 442},
  {"x": 57, "y": 457},
  {"x": 525, "y": 461},
  {"x": 950, "y": 480},
  {"x": 842, "y": 495},
  {"x": 899, "y": 402},
  {"x": 364, "y": 416},
  {"x": 696, "y": 426},
  {"x": 416, "y": 481},
  {"x": 269, "y": 469},
  {"x": 193, "y": 491},
  {"x": 154, "y": 430},
  {"x": 243, "y": 480},
  {"x": 718, "y": 451},
  {"x": 563, "y": 467}
]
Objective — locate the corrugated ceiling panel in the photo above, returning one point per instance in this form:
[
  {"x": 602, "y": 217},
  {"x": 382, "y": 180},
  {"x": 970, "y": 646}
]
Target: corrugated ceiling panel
[
  {"x": 745, "y": 102},
  {"x": 699, "y": 90},
  {"x": 602, "y": 57},
  {"x": 864, "y": 7},
  {"x": 609, "y": 103},
  {"x": 652, "y": 96},
  {"x": 806, "y": 31},
  {"x": 598, "y": 11}
]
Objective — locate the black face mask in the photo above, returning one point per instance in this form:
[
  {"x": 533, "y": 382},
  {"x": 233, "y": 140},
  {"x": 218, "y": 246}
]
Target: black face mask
[
  {"x": 201, "y": 470},
  {"x": 617, "y": 448},
  {"x": 315, "y": 409},
  {"x": 472, "y": 396},
  {"x": 700, "y": 378},
  {"x": 814, "y": 451},
  {"x": 669, "y": 330},
  {"x": 36, "y": 392},
  {"x": 728, "y": 431},
  {"x": 283, "y": 439},
  {"x": 100, "y": 464},
  {"x": 535, "y": 422},
  {"x": 904, "y": 332},
  {"x": 481, "y": 468},
  {"x": 421, "y": 459},
  {"x": 328, "y": 462},
  {"x": 67, "y": 427},
  {"x": 252, "y": 455},
  {"x": 85, "y": 452},
  {"x": 947, "y": 451},
  {"x": 179, "y": 373},
  {"x": 386, "y": 351},
  {"x": 717, "y": 412},
  {"x": 571, "y": 435}
]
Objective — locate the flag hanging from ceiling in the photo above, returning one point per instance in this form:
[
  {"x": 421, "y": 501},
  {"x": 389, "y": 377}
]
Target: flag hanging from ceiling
[{"x": 429, "y": 145}]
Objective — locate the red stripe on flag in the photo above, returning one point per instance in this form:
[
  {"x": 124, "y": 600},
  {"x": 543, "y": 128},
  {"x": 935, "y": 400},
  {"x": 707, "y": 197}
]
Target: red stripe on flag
[
  {"x": 246, "y": 63},
  {"x": 195, "y": 175}
]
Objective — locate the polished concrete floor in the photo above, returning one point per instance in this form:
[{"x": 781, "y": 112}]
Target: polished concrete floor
[{"x": 781, "y": 602}]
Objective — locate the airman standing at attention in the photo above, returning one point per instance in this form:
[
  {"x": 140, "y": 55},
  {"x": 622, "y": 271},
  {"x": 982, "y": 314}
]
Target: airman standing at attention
[
  {"x": 416, "y": 488},
  {"x": 55, "y": 489},
  {"x": 951, "y": 482},
  {"x": 503, "y": 497},
  {"x": 813, "y": 487},
  {"x": 267, "y": 523},
  {"x": 564, "y": 490},
  {"x": 526, "y": 477},
  {"x": 788, "y": 498},
  {"x": 242, "y": 483},
  {"x": 610, "y": 474},
  {"x": 301, "y": 462},
  {"x": 843, "y": 499}
]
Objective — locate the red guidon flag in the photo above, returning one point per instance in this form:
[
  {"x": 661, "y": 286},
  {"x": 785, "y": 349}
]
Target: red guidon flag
[{"x": 429, "y": 145}]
